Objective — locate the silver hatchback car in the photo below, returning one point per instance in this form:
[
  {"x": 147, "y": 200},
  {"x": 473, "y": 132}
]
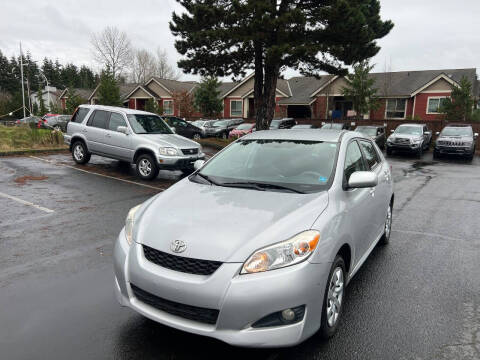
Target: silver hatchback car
[
  {"x": 130, "y": 135},
  {"x": 256, "y": 247}
]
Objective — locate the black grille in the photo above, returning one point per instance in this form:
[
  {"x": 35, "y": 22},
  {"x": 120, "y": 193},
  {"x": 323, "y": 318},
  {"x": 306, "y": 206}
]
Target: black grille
[
  {"x": 195, "y": 313},
  {"x": 179, "y": 263},
  {"x": 190, "y": 151}
]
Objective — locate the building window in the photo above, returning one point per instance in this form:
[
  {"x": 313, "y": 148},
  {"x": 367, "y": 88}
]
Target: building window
[
  {"x": 434, "y": 104},
  {"x": 236, "y": 107},
  {"x": 168, "y": 107},
  {"x": 396, "y": 108}
]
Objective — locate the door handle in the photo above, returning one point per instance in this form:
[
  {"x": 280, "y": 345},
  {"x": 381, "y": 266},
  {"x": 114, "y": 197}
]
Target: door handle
[
  {"x": 84, "y": 130},
  {"x": 108, "y": 135},
  {"x": 372, "y": 191}
]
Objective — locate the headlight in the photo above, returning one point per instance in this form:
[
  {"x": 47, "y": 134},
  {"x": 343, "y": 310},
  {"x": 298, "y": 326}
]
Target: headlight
[
  {"x": 129, "y": 222},
  {"x": 467, "y": 143},
  {"x": 286, "y": 253},
  {"x": 168, "y": 151},
  {"x": 416, "y": 141}
]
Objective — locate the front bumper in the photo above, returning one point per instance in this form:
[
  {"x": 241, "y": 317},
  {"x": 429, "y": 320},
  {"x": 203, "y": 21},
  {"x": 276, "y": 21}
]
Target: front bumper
[
  {"x": 179, "y": 162},
  {"x": 240, "y": 299},
  {"x": 403, "y": 147},
  {"x": 67, "y": 139},
  {"x": 454, "y": 150}
]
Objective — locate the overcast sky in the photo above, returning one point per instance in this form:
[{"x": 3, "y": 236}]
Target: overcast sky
[{"x": 428, "y": 34}]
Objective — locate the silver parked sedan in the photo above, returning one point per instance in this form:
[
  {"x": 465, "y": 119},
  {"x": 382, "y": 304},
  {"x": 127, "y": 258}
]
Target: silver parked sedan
[{"x": 256, "y": 247}]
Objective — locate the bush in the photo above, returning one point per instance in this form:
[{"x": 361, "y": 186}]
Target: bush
[{"x": 25, "y": 137}]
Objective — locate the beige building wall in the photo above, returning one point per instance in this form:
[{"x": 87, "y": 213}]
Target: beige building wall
[
  {"x": 157, "y": 89},
  {"x": 440, "y": 85}
]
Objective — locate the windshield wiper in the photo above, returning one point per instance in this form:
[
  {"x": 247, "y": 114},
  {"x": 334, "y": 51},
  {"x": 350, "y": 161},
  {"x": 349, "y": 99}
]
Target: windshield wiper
[
  {"x": 260, "y": 186},
  {"x": 207, "y": 178}
]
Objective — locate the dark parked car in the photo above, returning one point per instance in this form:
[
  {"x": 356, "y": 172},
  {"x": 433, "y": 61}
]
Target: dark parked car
[
  {"x": 285, "y": 123},
  {"x": 222, "y": 128},
  {"x": 183, "y": 128},
  {"x": 456, "y": 139},
  {"x": 336, "y": 126},
  {"x": 376, "y": 133},
  {"x": 305, "y": 126},
  {"x": 29, "y": 120},
  {"x": 58, "y": 122},
  {"x": 413, "y": 138}
]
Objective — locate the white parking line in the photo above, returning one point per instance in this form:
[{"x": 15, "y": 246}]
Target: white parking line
[
  {"x": 24, "y": 202},
  {"x": 94, "y": 173}
]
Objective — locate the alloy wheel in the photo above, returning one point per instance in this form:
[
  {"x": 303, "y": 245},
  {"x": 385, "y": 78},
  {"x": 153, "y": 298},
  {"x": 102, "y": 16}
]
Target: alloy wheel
[
  {"x": 145, "y": 167},
  {"x": 335, "y": 296},
  {"x": 78, "y": 152},
  {"x": 388, "y": 222},
  {"x": 196, "y": 137}
]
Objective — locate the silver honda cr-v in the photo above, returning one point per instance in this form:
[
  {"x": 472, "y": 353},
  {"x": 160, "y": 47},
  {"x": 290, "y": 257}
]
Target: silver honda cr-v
[
  {"x": 129, "y": 135},
  {"x": 257, "y": 246}
]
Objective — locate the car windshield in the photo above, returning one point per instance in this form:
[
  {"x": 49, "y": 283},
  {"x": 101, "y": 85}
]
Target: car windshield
[
  {"x": 409, "y": 130},
  {"x": 457, "y": 131},
  {"x": 296, "y": 165},
  {"x": 148, "y": 124},
  {"x": 219, "y": 124},
  {"x": 275, "y": 124},
  {"x": 244, "y": 127},
  {"x": 302, "y": 127},
  {"x": 198, "y": 123},
  {"x": 333, "y": 126},
  {"x": 369, "y": 131}
]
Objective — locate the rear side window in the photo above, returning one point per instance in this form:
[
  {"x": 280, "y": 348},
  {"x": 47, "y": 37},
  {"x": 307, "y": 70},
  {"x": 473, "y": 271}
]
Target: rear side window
[
  {"x": 80, "y": 114},
  {"x": 99, "y": 119},
  {"x": 353, "y": 160},
  {"x": 116, "y": 120},
  {"x": 371, "y": 155}
]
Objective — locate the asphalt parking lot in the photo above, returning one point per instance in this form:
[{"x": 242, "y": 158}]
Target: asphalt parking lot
[{"x": 417, "y": 298}]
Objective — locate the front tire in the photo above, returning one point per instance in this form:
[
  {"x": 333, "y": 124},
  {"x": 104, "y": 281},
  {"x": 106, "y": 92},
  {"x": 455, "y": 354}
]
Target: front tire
[
  {"x": 333, "y": 298},
  {"x": 385, "y": 239},
  {"x": 224, "y": 136},
  {"x": 197, "y": 137},
  {"x": 146, "y": 167},
  {"x": 80, "y": 153}
]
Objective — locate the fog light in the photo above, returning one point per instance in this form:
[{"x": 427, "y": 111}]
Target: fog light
[{"x": 288, "y": 315}]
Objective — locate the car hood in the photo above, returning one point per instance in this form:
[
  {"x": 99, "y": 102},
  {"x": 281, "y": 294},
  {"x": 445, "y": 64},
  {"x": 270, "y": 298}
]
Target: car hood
[
  {"x": 224, "y": 224},
  {"x": 405, "y": 136},
  {"x": 455, "y": 138},
  {"x": 172, "y": 140}
]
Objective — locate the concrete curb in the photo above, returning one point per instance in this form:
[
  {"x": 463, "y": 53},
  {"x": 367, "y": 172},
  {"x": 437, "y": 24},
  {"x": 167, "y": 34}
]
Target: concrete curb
[{"x": 31, "y": 151}]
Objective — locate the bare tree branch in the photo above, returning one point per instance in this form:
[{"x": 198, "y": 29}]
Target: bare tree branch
[{"x": 111, "y": 48}]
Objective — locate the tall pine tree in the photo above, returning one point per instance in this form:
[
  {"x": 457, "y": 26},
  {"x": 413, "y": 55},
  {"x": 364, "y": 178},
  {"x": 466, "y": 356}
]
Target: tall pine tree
[
  {"x": 108, "y": 90},
  {"x": 223, "y": 38},
  {"x": 207, "y": 97}
]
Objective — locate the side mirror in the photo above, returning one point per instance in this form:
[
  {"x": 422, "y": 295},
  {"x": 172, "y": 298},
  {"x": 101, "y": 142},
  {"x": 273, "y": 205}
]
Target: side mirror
[
  {"x": 198, "y": 164},
  {"x": 123, "y": 130},
  {"x": 392, "y": 131},
  {"x": 362, "y": 179},
  {"x": 437, "y": 133},
  {"x": 475, "y": 135}
]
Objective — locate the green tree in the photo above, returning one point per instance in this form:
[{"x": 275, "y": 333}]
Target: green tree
[
  {"x": 459, "y": 106},
  {"x": 207, "y": 97},
  {"x": 42, "y": 110},
  {"x": 152, "y": 106},
  {"x": 225, "y": 38},
  {"x": 108, "y": 90},
  {"x": 360, "y": 89},
  {"x": 73, "y": 100}
]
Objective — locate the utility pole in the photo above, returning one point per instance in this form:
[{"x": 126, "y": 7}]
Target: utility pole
[{"x": 21, "y": 75}]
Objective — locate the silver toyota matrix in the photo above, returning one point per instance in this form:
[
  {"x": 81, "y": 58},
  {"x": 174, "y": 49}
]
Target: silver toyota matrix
[
  {"x": 256, "y": 247},
  {"x": 129, "y": 135}
]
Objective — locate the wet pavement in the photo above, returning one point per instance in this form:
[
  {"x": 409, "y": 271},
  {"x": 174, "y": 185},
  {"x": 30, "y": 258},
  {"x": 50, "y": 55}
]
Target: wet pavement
[{"x": 417, "y": 298}]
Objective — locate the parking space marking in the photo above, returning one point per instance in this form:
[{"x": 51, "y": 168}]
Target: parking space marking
[
  {"x": 94, "y": 173},
  {"x": 24, "y": 202}
]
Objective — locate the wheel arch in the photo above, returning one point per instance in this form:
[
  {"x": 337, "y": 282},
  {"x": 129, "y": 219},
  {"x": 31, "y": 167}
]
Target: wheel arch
[
  {"x": 76, "y": 138},
  {"x": 142, "y": 151}
]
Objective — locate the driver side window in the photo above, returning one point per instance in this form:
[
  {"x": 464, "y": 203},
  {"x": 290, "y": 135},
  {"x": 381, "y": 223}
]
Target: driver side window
[{"x": 353, "y": 160}]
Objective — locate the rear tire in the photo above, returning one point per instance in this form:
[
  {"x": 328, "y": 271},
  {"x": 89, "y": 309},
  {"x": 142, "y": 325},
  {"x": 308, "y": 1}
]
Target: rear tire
[
  {"x": 333, "y": 298},
  {"x": 146, "y": 167},
  {"x": 80, "y": 153}
]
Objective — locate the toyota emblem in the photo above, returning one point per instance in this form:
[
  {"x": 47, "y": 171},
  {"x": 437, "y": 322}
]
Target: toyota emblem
[{"x": 178, "y": 246}]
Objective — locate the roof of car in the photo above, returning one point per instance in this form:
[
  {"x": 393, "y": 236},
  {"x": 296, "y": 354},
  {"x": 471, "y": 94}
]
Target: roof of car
[
  {"x": 115, "y": 108},
  {"x": 458, "y": 125},
  {"x": 411, "y": 124},
  {"x": 300, "y": 134},
  {"x": 370, "y": 126}
]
